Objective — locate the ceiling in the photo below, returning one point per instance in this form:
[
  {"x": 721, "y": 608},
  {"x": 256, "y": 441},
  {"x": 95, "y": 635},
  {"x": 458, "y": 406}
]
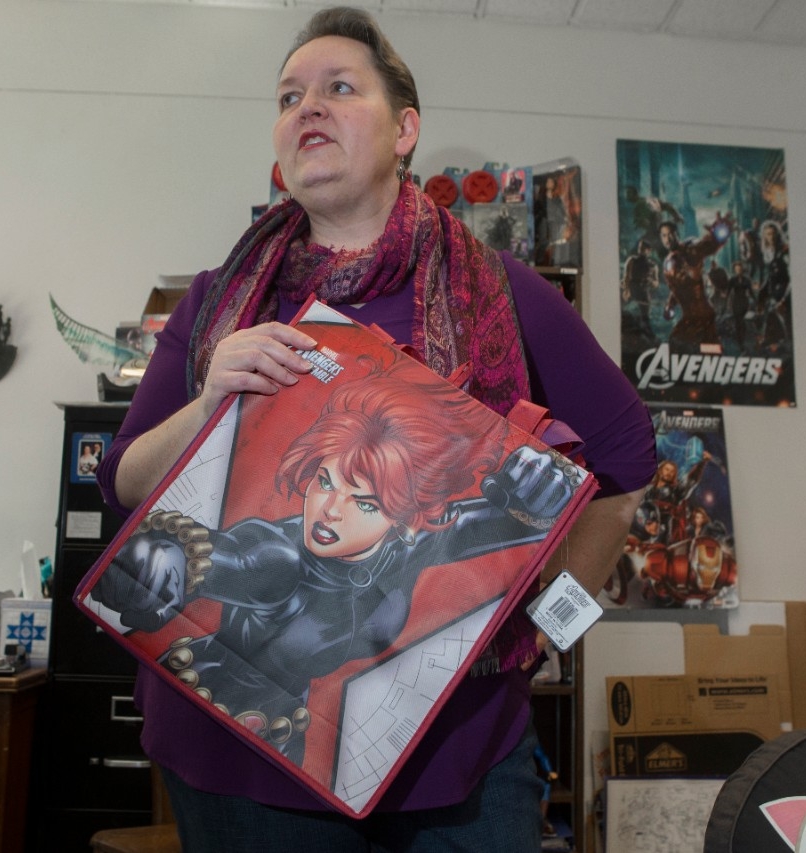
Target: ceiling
[{"x": 780, "y": 22}]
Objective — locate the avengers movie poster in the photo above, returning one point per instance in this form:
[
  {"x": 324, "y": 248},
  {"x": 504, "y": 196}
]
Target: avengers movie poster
[
  {"x": 706, "y": 296},
  {"x": 324, "y": 565},
  {"x": 680, "y": 549}
]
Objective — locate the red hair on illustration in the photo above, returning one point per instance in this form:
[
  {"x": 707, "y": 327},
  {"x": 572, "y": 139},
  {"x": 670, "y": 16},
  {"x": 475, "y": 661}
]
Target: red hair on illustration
[{"x": 419, "y": 442}]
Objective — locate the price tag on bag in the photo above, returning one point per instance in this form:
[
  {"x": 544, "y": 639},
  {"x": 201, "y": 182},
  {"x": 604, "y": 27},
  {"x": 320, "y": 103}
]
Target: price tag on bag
[{"x": 564, "y": 611}]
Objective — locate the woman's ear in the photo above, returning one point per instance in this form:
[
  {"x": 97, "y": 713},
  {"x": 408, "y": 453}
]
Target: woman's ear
[{"x": 409, "y": 132}]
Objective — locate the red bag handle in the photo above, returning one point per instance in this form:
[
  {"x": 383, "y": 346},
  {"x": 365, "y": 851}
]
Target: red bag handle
[
  {"x": 537, "y": 421},
  {"x": 528, "y": 416}
]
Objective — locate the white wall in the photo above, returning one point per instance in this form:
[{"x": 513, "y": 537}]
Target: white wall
[{"x": 134, "y": 139}]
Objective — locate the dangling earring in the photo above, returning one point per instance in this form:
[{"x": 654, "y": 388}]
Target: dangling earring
[
  {"x": 401, "y": 170},
  {"x": 405, "y": 534}
]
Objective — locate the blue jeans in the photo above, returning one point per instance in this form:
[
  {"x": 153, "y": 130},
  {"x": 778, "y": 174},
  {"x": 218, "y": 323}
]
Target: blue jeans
[{"x": 501, "y": 815}]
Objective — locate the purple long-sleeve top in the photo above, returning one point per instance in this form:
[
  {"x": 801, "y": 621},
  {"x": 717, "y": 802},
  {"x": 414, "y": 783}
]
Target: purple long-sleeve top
[{"x": 484, "y": 719}]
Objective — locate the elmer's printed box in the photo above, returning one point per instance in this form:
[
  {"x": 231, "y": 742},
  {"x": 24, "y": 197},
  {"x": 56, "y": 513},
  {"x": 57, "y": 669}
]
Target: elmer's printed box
[{"x": 689, "y": 724}]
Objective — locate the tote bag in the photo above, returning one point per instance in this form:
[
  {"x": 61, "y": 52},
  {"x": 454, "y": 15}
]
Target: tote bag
[{"x": 322, "y": 567}]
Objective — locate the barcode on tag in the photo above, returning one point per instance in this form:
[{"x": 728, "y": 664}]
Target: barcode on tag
[
  {"x": 563, "y": 602},
  {"x": 564, "y": 611}
]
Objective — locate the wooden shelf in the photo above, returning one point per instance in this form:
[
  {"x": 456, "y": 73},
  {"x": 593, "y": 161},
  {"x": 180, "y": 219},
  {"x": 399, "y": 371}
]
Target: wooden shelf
[
  {"x": 557, "y": 689},
  {"x": 566, "y": 279},
  {"x": 19, "y": 695},
  {"x": 558, "y": 710},
  {"x": 559, "y": 270}
]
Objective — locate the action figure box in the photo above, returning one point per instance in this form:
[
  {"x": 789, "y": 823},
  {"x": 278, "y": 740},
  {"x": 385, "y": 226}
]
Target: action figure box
[
  {"x": 495, "y": 202},
  {"x": 689, "y": 724},
  {"x": 323, "y": 566},
  {"x": 557, "y": 209}
]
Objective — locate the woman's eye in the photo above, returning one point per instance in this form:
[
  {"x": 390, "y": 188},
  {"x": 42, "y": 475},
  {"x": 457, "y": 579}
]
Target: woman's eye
[
  {"x": 342, "y": 88},
  {"x": 287, "y": 100},
  {"x": 324, "y": 483},
  {"x": 366, "y": 506}
]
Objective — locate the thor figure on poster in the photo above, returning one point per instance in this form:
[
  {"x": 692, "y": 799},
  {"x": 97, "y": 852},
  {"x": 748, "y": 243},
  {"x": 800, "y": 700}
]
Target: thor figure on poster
[{"x": 387, "y": 476}]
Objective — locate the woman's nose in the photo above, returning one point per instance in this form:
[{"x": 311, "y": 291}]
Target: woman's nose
[{"x": 312, "y": 107}]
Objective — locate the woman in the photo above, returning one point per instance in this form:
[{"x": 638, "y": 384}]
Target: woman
[
  {"x": 87, "y": 462},
  {"x": 365, "y": 239},
  {"x": 773, "y": 298},
  {"x": 301, "y": 596}
]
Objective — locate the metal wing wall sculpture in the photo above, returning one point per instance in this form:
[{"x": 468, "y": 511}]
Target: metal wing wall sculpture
[{"x": 96, "y": 347}]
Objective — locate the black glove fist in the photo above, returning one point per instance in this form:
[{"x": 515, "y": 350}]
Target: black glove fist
[
  {"x": 531, "y": 486},
  {"x": 145, "y": 582}
]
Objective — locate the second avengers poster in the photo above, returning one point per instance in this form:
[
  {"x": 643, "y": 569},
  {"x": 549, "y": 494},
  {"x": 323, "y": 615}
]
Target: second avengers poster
[
  {"x": 706, "y": 295},
  {"x": 680, "y": 550}
]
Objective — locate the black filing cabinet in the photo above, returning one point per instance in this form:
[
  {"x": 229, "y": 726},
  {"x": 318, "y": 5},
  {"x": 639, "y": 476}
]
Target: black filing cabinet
[{"x": 89, "y": 771}]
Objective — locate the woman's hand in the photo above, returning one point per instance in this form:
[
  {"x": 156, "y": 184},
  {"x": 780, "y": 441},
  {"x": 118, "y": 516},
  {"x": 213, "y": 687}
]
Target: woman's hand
[{"x": 260, "y": 360}]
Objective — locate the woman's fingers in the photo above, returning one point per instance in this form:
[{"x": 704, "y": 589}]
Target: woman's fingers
[{"x": 260, "y": 360}]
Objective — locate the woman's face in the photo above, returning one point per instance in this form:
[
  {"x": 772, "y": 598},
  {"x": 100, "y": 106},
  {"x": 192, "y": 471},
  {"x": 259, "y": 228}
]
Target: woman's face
[
  {"x": 342, "y": 519},
  {"x": 336, "y": 138},
  {"x": 769, "y": 237}
]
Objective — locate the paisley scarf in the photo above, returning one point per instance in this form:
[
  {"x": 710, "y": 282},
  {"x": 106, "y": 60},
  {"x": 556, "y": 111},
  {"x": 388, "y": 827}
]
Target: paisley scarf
[{"x": 463, "y": 310}]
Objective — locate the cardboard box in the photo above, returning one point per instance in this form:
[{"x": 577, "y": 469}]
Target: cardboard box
[
  {"x": 796, "y": 643},
  {"x": 26, "y": 622},
  {"x": 689, "y": 724},
  {"x": 762, "y": 649},
  {"x": 161, "y": 302}
]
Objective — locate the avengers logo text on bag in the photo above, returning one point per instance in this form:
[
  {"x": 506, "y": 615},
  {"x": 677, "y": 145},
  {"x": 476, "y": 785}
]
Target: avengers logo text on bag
[{"x": 322, "y": 567}]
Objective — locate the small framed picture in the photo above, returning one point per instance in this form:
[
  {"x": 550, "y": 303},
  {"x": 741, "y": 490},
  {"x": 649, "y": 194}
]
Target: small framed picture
[{"x": 88, "y": 451}]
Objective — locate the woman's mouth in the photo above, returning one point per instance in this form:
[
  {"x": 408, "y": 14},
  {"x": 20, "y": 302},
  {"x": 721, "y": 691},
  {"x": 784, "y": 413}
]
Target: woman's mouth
[
  {"x": 323, "y": 535},
  {"x": 312, "y": 140}
]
